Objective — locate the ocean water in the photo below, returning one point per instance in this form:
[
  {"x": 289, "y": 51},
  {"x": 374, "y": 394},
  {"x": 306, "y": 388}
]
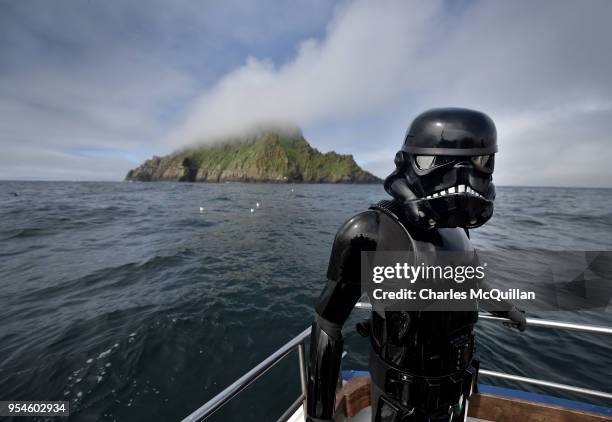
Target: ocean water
[{"x": 129, "y": 302}]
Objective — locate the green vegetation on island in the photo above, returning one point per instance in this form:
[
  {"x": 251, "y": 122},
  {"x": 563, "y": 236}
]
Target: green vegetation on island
[{"x": 271, "y": 155}]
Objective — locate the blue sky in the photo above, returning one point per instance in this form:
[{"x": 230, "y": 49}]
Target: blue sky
[{"x": 90, "y": 89}]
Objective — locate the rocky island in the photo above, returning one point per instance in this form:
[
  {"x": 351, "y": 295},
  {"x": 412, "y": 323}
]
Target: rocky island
[{"x": 278, "y": 156}]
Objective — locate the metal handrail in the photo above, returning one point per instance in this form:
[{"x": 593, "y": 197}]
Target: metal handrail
[
  {"x": 298, "y": 342},
  {"x": 247, "y": 379},
  {"x": 556, "y": 385},
  {"x": 535, "y": 322},
  {"x": 292, "y": 409},
  {"x": 598, "y": 329}
]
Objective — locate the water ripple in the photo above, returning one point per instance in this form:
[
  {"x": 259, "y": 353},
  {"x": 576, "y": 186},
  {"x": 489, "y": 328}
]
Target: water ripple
[{"x": 132, "y": 303}]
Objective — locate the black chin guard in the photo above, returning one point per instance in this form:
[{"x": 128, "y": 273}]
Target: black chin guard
[{"x": 451, "y": 211}]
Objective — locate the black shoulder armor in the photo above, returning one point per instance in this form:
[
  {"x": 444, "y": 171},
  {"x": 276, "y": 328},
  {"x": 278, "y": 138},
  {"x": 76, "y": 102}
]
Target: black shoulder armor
[{"x": 360, "y": 233}]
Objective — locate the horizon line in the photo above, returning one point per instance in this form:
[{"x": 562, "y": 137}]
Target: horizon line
[{"x": 267, "y": 183}]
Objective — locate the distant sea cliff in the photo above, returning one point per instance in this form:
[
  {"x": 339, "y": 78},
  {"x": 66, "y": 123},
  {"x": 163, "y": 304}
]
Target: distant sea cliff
[{"x": 268, "y": 155}]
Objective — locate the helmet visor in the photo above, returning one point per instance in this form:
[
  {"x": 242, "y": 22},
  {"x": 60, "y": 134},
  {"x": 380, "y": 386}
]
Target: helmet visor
[{"x": 481, "y": 162}]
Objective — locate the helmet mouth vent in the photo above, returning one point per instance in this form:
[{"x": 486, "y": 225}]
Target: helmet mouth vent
[{"x": 455, "y": 190}]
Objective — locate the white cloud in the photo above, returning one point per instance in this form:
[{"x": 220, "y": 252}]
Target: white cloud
[
  {"x": 119, "y": 77},
  {"x": 359, "y": 66},
  {"x": 111, "y": 107},
  {"x": 538, "y": 68},
  {"x": 111, "y": 77},
  {"x": 57, "y": 165}
]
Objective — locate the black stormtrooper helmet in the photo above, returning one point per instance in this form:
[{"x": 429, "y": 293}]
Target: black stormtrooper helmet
[{"x": 444, "y": 171}]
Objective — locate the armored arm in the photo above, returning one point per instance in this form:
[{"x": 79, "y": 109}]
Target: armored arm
[{"x": 342, "y": 291}]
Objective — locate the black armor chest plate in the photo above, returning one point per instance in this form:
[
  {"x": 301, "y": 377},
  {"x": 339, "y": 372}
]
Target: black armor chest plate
[{"x": 421, "y": 343}]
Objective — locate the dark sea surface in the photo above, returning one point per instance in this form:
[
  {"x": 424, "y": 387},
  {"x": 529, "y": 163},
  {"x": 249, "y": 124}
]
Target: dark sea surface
[{"x": 129, "y": 302}]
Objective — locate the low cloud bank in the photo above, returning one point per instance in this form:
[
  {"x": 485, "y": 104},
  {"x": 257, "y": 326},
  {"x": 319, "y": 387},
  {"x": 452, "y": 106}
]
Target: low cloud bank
[{"x": 543, "y": 73}]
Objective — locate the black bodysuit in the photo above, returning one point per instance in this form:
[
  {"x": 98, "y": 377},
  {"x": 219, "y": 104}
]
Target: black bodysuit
[{"x": 421, "y": 363}]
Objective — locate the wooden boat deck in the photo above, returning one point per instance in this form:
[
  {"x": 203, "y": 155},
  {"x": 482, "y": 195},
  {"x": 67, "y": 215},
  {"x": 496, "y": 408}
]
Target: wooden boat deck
[{"x": 353, "y": 405}]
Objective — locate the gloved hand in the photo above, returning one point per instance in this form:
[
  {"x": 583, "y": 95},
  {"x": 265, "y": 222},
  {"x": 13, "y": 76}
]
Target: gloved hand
[{"x": 517, "y": 316}]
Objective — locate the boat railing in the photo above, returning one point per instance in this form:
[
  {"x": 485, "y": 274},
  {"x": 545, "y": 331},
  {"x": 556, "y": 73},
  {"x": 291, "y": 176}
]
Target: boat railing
[
  {"x": 298, "y": 343},
  {"x": 214, "y": 404}
]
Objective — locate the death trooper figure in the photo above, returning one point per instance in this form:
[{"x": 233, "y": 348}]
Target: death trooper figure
[{"x": 421, "y": 363}]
